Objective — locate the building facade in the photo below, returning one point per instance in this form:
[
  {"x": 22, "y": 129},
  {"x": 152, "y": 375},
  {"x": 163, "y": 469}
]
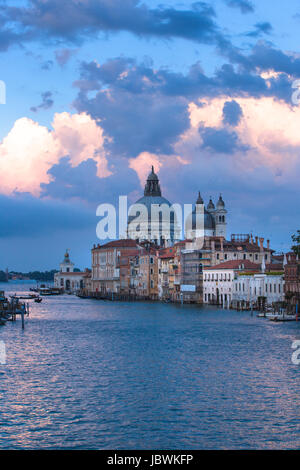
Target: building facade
[
  {"x": 67, "y": 279},
  {"x": 263, "y": 289},
  {"x": 292, "y": 279},
  {"x": 218, "y": 281},
  {"x": 106, "y": 265}
]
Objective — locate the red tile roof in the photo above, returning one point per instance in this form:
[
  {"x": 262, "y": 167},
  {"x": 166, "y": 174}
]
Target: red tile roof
[
  {"x": 126, "y": 243},
  {"x": 235, "y": 264},
  {"x": 245, "y": 265},
  {"x": 166, "y": 253}
]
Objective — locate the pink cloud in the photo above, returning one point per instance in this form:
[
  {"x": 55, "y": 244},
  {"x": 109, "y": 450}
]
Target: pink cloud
[{"x": 30, "y": 150}]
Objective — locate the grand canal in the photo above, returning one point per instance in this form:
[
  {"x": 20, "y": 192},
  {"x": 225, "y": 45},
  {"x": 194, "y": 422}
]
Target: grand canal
[{"x": 107, "y": 375}]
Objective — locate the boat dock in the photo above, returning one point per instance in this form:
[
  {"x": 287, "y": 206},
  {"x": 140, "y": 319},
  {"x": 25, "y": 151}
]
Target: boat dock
[{"x": 11, "y": 309}]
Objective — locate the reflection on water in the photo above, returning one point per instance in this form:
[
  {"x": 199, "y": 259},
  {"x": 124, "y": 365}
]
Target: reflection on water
[{"x": 105, "y": 375}]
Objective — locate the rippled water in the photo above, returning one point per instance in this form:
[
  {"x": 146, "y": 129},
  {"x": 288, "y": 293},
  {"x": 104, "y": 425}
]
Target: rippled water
[{"x": 96, "y": 375}]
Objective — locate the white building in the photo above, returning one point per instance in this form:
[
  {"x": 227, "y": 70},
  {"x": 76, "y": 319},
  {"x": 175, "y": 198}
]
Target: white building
[
  {"x": 67, "y": 279},
  {"x": 249, "y": 288},
  {"x": 237, "y": 281},
  {"x": 218, "y": 281}
]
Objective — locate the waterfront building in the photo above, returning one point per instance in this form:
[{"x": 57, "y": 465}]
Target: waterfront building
[
  {"x": 128, "y": 264},
  {"x": 147, "y": 278},
  {"x": 106, "y": 266},
  {"x": 169, "y": 272},
  {"x": 218, "y": 281},
  {"x": 165, "y": 264},
  {"x": 191, "y": 283},
  {"x": 264, "y": 288},
  {"x": 68, "y": 279},
  {"x": 292, "y": 279}
]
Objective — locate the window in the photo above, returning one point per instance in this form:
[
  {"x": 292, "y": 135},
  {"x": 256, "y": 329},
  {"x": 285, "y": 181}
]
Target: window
[{"x": 225, "y": 256}]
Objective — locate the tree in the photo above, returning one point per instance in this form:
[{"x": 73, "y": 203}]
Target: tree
[{"x": 296, "y": 240}]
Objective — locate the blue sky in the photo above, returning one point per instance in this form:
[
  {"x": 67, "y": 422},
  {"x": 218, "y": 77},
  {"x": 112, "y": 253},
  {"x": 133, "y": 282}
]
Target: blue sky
[{"x": 99, "y": 90}]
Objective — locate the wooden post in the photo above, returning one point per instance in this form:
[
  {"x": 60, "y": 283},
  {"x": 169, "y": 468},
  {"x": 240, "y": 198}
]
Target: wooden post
[{"x": 23, "y": 322}]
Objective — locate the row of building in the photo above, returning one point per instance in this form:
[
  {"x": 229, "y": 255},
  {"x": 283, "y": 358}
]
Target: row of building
[
  {"x": 203, "y": 268},
  {"x": 184, "y": 273}
]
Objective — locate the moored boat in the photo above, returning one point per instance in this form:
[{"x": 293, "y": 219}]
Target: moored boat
[{"x": 282, "y": 317}]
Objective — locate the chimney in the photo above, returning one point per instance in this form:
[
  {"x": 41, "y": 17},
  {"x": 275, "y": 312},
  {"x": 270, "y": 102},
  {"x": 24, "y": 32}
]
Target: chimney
[
  {"x": 256, "y": 241},
  {"x": 261, "y": 244},
  {"x": 268, "y": 244}
]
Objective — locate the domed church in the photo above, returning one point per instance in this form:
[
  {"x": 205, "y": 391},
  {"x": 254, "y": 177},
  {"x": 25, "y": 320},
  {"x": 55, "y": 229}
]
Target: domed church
[
  {"x": 142, "y": 226},
  {"x": 207, "y": 221},
  {"x": 152, "y": 218}
]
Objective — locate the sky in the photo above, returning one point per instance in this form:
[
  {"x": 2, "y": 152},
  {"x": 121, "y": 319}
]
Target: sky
[{"x": 97, "y": 91}]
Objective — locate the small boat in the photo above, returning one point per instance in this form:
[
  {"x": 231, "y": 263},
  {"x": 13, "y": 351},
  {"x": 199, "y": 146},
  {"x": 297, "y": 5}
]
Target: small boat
[
  {"x": 38, "y": 300},
  {"x": 23, "y": 297},
  {"x": 279, "y": 317},
  {"x": 50, "y": 291}
]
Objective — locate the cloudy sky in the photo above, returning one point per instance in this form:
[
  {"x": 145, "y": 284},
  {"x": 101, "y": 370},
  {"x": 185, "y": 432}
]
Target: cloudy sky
[{"x": 99, "y": 90}]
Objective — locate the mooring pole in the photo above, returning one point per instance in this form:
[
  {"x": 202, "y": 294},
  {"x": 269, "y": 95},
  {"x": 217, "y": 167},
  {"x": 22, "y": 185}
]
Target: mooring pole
[{"x": 23, "y": 320}]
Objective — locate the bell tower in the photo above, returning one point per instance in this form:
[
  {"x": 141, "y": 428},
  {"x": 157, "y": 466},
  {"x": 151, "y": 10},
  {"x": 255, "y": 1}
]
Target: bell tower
[{"x": 221, "y": 218}]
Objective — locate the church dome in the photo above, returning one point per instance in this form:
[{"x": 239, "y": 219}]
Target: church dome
[
  {"x": 209, "y": 222},
  {"x": 221, "y": 203},
  {"x": 210, "y": 205},
  {"x": 195, "y": 221},
  {"x": 152, "y": 176},
  {"x": 152, "y": 197}
]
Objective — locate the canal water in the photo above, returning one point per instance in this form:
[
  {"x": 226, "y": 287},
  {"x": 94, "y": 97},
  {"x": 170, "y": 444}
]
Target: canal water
[{"x": 89, "y": 374}]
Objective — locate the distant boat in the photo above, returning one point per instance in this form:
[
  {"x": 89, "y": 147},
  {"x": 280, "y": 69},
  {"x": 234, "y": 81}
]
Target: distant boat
[
  {"x": 281, "y": 317},
  {"x": 24, "y": 297},
  {"x": 50, "y": 291}
]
